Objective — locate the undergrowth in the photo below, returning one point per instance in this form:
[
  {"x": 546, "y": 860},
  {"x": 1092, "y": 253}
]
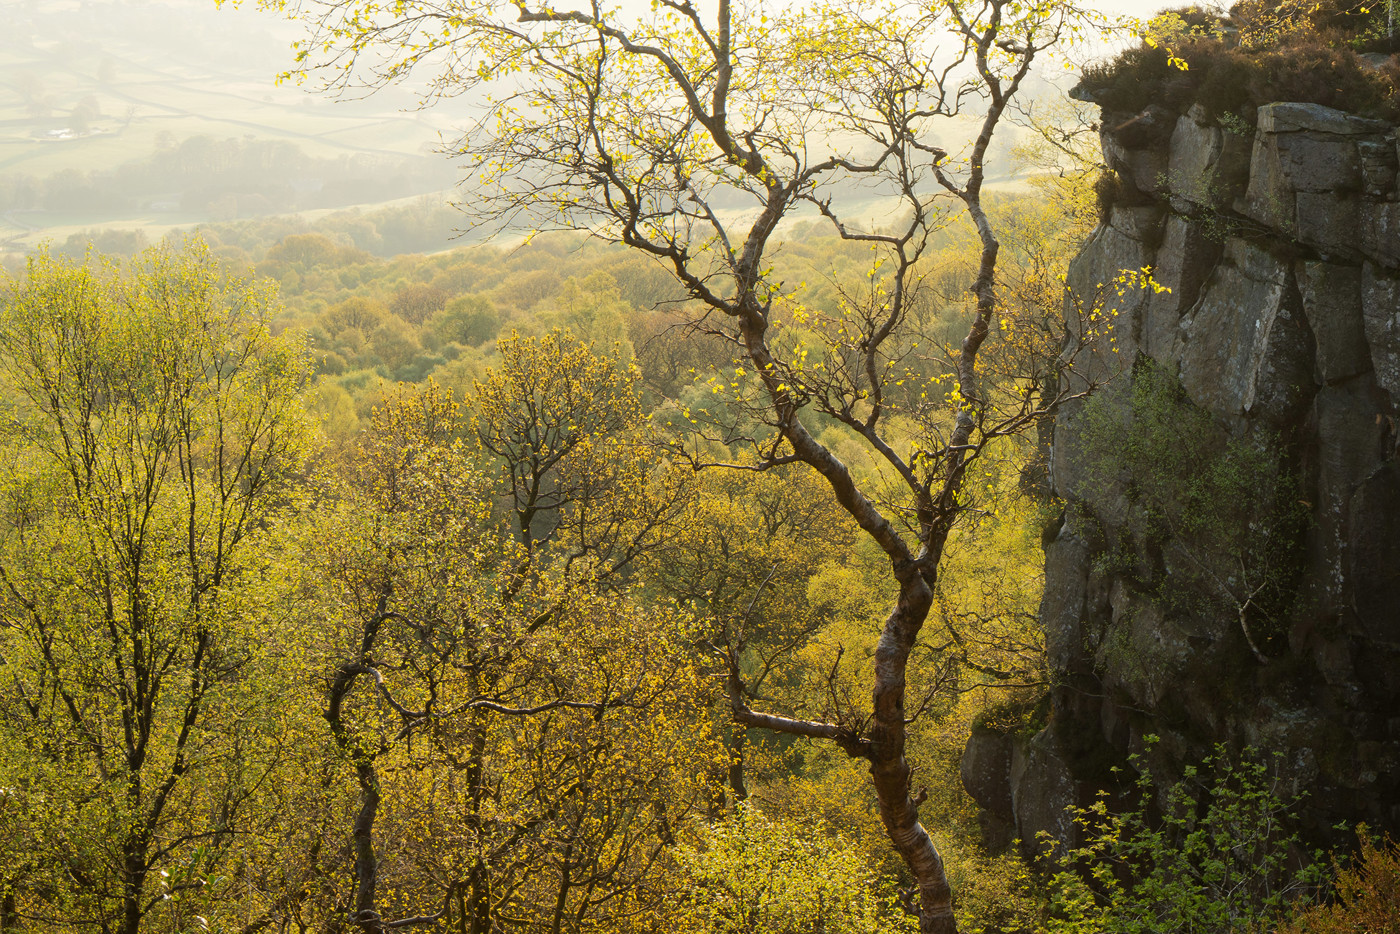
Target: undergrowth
[
  {"x": 1211, "y": 854},
  {"x": 1366, "y": 895}
]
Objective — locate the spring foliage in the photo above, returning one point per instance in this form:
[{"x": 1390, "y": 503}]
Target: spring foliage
[
  {"x": 156, "y": 440},
  {"x": 1220, "y": 857}
]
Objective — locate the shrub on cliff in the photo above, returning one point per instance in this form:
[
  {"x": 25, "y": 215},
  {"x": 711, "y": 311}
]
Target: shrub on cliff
[
  {"x": 1234, "y": 66},
  {"x": 1223, "y": 512}
]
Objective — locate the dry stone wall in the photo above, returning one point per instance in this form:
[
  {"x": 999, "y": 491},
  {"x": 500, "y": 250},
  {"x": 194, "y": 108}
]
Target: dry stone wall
[{"x": 1280, "y": 245}]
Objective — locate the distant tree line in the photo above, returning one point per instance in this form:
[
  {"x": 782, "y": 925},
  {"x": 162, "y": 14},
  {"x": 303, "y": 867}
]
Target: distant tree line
[{"x": 227, "y": 179}]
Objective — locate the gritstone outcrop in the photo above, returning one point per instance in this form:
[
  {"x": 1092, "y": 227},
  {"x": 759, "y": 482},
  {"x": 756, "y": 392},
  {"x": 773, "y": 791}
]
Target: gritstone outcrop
[{"x": 1280, "y": 244}]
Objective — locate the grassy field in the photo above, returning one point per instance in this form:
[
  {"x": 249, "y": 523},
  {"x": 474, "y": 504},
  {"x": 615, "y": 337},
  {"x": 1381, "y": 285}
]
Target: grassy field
[{"x": 90, "y": 88}]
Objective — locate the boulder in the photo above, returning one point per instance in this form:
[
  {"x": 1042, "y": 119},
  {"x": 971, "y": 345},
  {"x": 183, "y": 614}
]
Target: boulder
[
  {"x": 1106, "y": 309},
  {"x": 1269, "y": 197},
  {"x": 1206, "y": 165},
  {"x": 1379, "y": 229},
  {"x": 1043, "y": 790},
  {"x": 1314, "y": 161},
  {"x": 1327, "y": 221},
  {"x": 1142, "y": 222},
  {"x": 1308, "y": 148},
  {"x": 985, "y": 770},
  {"x": 1062, "y": 607},
  {"x": 1373, "y": 548},
  {"x": 1292, "y": 117},
  {"x": 1134, "y": 146},
  {"x": 1185, "y": 261},
  {"x": 1378, "y": 166},
  {"x": 1350, "y": 438}
]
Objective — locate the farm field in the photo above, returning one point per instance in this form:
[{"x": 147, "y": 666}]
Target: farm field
[{"x": 160, "y": 115}]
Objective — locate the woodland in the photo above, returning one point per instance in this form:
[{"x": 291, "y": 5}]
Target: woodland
[{"x": 645, "y": 573}]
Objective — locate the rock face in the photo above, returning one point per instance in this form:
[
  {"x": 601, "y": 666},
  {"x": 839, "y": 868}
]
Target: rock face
[{"x": 1281, "y": 249}]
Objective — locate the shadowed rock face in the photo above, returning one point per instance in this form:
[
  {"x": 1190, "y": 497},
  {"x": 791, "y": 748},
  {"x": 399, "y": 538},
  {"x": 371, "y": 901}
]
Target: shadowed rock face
[{"x": 1281, "y": 248}]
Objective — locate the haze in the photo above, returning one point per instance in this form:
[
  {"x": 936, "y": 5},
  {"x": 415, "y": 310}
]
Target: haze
[{"x": 123, "y": 115}]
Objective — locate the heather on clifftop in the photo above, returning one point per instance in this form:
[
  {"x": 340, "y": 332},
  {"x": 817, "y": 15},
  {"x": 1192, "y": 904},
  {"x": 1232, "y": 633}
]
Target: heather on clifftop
[{"x": 1333, "y": 52}]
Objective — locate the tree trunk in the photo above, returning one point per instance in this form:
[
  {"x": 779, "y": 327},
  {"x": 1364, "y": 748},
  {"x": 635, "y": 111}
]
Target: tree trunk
[
  {"x": 479, "y": 878},
  {"x": 133, "y": 886},
  {"x": 889, "y": 767},
  {"x": 362, "y": 836}
]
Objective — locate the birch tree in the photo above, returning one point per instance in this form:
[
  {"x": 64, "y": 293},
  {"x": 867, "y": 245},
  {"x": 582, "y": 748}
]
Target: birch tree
[{"x": 692, "y": 135}]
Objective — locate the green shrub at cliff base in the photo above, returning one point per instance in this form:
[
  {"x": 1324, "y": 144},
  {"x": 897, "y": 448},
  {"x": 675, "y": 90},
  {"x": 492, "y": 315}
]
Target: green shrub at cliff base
[
  {"x": 1221, "y": 857},
  {"x": 1225, "y": 511},
  {"x": 1367, "y": 895},
  {"x": 997, "y": 894}
]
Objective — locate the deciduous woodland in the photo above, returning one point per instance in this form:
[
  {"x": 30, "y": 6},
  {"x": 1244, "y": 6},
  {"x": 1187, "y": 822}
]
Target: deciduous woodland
[{"x": 646, "y": 576}]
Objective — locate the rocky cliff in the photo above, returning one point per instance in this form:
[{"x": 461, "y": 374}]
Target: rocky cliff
[{"x": 1277, "y": 339}]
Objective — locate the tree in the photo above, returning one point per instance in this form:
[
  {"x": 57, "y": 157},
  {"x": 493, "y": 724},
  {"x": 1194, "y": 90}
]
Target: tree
[
  {"x": 522, "y": 747},
  {"x": 565, "y": 426},
  {"x": 417, "y": 302},
  {"x": 759, "y": 876},
  {"x": 691, "y": 138},
  {"x": 156, "y": 437},
  {"x": 1366, "y": 893},
  {"x": 87, "y": 110},
  {"x": 745, "y": 560}
]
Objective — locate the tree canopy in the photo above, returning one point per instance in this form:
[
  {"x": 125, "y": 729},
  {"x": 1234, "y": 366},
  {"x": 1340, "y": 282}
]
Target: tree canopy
[
  {"x": 692, "y": 136},
  {"x": 157, "y": 438}
]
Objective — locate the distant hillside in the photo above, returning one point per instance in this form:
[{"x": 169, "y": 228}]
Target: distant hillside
[{"x": 149, "y": 115}]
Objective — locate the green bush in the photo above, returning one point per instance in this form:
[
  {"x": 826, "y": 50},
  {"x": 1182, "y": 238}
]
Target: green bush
[{"x": 1218, "y": 859}]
